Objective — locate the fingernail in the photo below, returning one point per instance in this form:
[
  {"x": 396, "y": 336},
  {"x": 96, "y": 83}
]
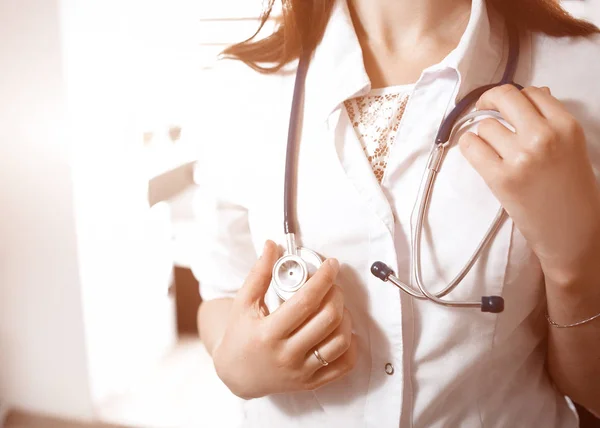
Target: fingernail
[
  {"x": 268, "y": 243},
  {"x": 547, "y": 89},
  {"x": 333, "y": 263}
]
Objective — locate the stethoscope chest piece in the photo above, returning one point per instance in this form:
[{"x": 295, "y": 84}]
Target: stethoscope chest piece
[{"x": 292, "y": 271}]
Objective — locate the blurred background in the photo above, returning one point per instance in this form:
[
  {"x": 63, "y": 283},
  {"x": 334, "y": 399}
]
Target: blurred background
[{"x": 100, "y": 110}]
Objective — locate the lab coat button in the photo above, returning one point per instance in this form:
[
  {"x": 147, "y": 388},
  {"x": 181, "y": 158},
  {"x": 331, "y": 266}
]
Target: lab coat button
[{"x": 389, "y": 369}]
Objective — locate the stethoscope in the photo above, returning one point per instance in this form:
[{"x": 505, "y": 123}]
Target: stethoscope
[{"x": 297, "y": 265}]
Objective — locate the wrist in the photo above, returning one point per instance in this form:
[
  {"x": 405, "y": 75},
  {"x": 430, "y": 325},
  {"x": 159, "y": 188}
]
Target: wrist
[
  {"x": 582, "y": 271},
  {"x": 235, "y": 381}
]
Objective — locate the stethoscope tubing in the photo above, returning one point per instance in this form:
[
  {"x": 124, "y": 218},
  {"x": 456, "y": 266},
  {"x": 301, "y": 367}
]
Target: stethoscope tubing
[{"x": 450, "y": 126}]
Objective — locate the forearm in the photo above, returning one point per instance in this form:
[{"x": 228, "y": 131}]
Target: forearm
[
  {"x": 212, "y": 320},
  {"x": 574, "y": 353}
]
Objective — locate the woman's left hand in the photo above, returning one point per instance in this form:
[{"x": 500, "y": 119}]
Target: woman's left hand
[{"x": 541, "y": 174}]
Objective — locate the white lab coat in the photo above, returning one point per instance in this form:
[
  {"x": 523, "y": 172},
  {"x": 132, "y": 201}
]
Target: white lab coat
[{"x": 453, "y": 367}]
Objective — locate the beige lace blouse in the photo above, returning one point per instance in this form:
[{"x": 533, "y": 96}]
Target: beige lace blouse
[{"x": 376, "y": 118}]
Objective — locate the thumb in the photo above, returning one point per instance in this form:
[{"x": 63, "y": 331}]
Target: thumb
[{"x": 258, "y": 280}]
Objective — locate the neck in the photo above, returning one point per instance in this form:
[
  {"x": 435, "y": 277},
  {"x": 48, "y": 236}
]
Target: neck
[
  {"x": 400, "y": 38},
  {"x": 396, "y": 23}
]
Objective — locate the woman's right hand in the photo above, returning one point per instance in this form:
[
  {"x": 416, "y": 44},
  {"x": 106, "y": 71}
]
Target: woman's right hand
[{"x": 262, "y": 354}]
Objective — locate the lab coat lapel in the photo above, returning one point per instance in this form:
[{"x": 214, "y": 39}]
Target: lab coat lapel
[
  {"x": 358, "y": 170},
  {"x": 336, "y": 74}
]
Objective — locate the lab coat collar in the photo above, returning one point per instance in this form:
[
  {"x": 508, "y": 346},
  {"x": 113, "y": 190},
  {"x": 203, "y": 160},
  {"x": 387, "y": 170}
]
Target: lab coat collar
[{"x": 337, "y": 70}]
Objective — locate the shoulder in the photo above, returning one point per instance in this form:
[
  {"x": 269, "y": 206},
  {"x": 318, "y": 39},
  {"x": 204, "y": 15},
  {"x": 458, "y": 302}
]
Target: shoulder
[
  {"x": 247, "y": 106},
  {"x": 231, "y": 88},
  {"x": 570, "y": 67},
  {"x": 239, "y": 80},
  {"x": 576, "y": 45},
  {"x": 571, "y": 64},
  {"x": 240, "y": 110}
]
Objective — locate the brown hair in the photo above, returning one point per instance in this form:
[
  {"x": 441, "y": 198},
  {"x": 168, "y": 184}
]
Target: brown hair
[{"x": 303, "y": 23}]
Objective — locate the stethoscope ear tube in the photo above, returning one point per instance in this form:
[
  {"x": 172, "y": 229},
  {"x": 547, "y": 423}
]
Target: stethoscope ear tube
[
  {"x": 289, "y": 209},
  {"x": 492, "y": 304}
]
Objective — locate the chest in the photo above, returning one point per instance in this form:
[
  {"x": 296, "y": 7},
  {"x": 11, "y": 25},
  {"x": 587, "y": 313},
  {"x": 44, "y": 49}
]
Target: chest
[
  {"x": 344, "y": 211},
  {"x": 342, "y": 208}
]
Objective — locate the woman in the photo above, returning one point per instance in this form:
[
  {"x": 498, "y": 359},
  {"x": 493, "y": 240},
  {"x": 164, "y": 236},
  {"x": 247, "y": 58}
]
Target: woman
[{"x": 348, "y": 349}]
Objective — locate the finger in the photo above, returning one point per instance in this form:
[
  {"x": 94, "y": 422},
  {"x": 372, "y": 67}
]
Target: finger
[
  {"x": 257, "y": 282},
  {"x": 336, "y": 370},
  {"x": 332, "y": 347},
  {"x": 292, "y": 313},
  {"x": 480, "y": 155},
  {"x": 499, "y": 137},
  {"x": 318, "y": 327},
  {"x": 514, "y": 107}
]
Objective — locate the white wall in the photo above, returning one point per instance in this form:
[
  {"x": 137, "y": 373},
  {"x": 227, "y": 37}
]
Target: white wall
[
  {"x": 84, "y": 263},
  {"x": 125, "y": 260},
  {"x": 43, "y": 362}
]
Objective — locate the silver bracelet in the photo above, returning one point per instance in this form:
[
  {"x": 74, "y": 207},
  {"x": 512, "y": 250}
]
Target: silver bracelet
[{"x": 554, "y": 324}]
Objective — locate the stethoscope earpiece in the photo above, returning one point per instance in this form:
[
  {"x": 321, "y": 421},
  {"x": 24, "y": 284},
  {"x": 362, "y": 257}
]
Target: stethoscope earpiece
[
  {"x": 381, "y": 271},
  {"x": 491, "y": 304}
]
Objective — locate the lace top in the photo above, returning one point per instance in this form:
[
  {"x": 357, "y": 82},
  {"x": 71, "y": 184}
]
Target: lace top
[{"x": 376, "y": 119}]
